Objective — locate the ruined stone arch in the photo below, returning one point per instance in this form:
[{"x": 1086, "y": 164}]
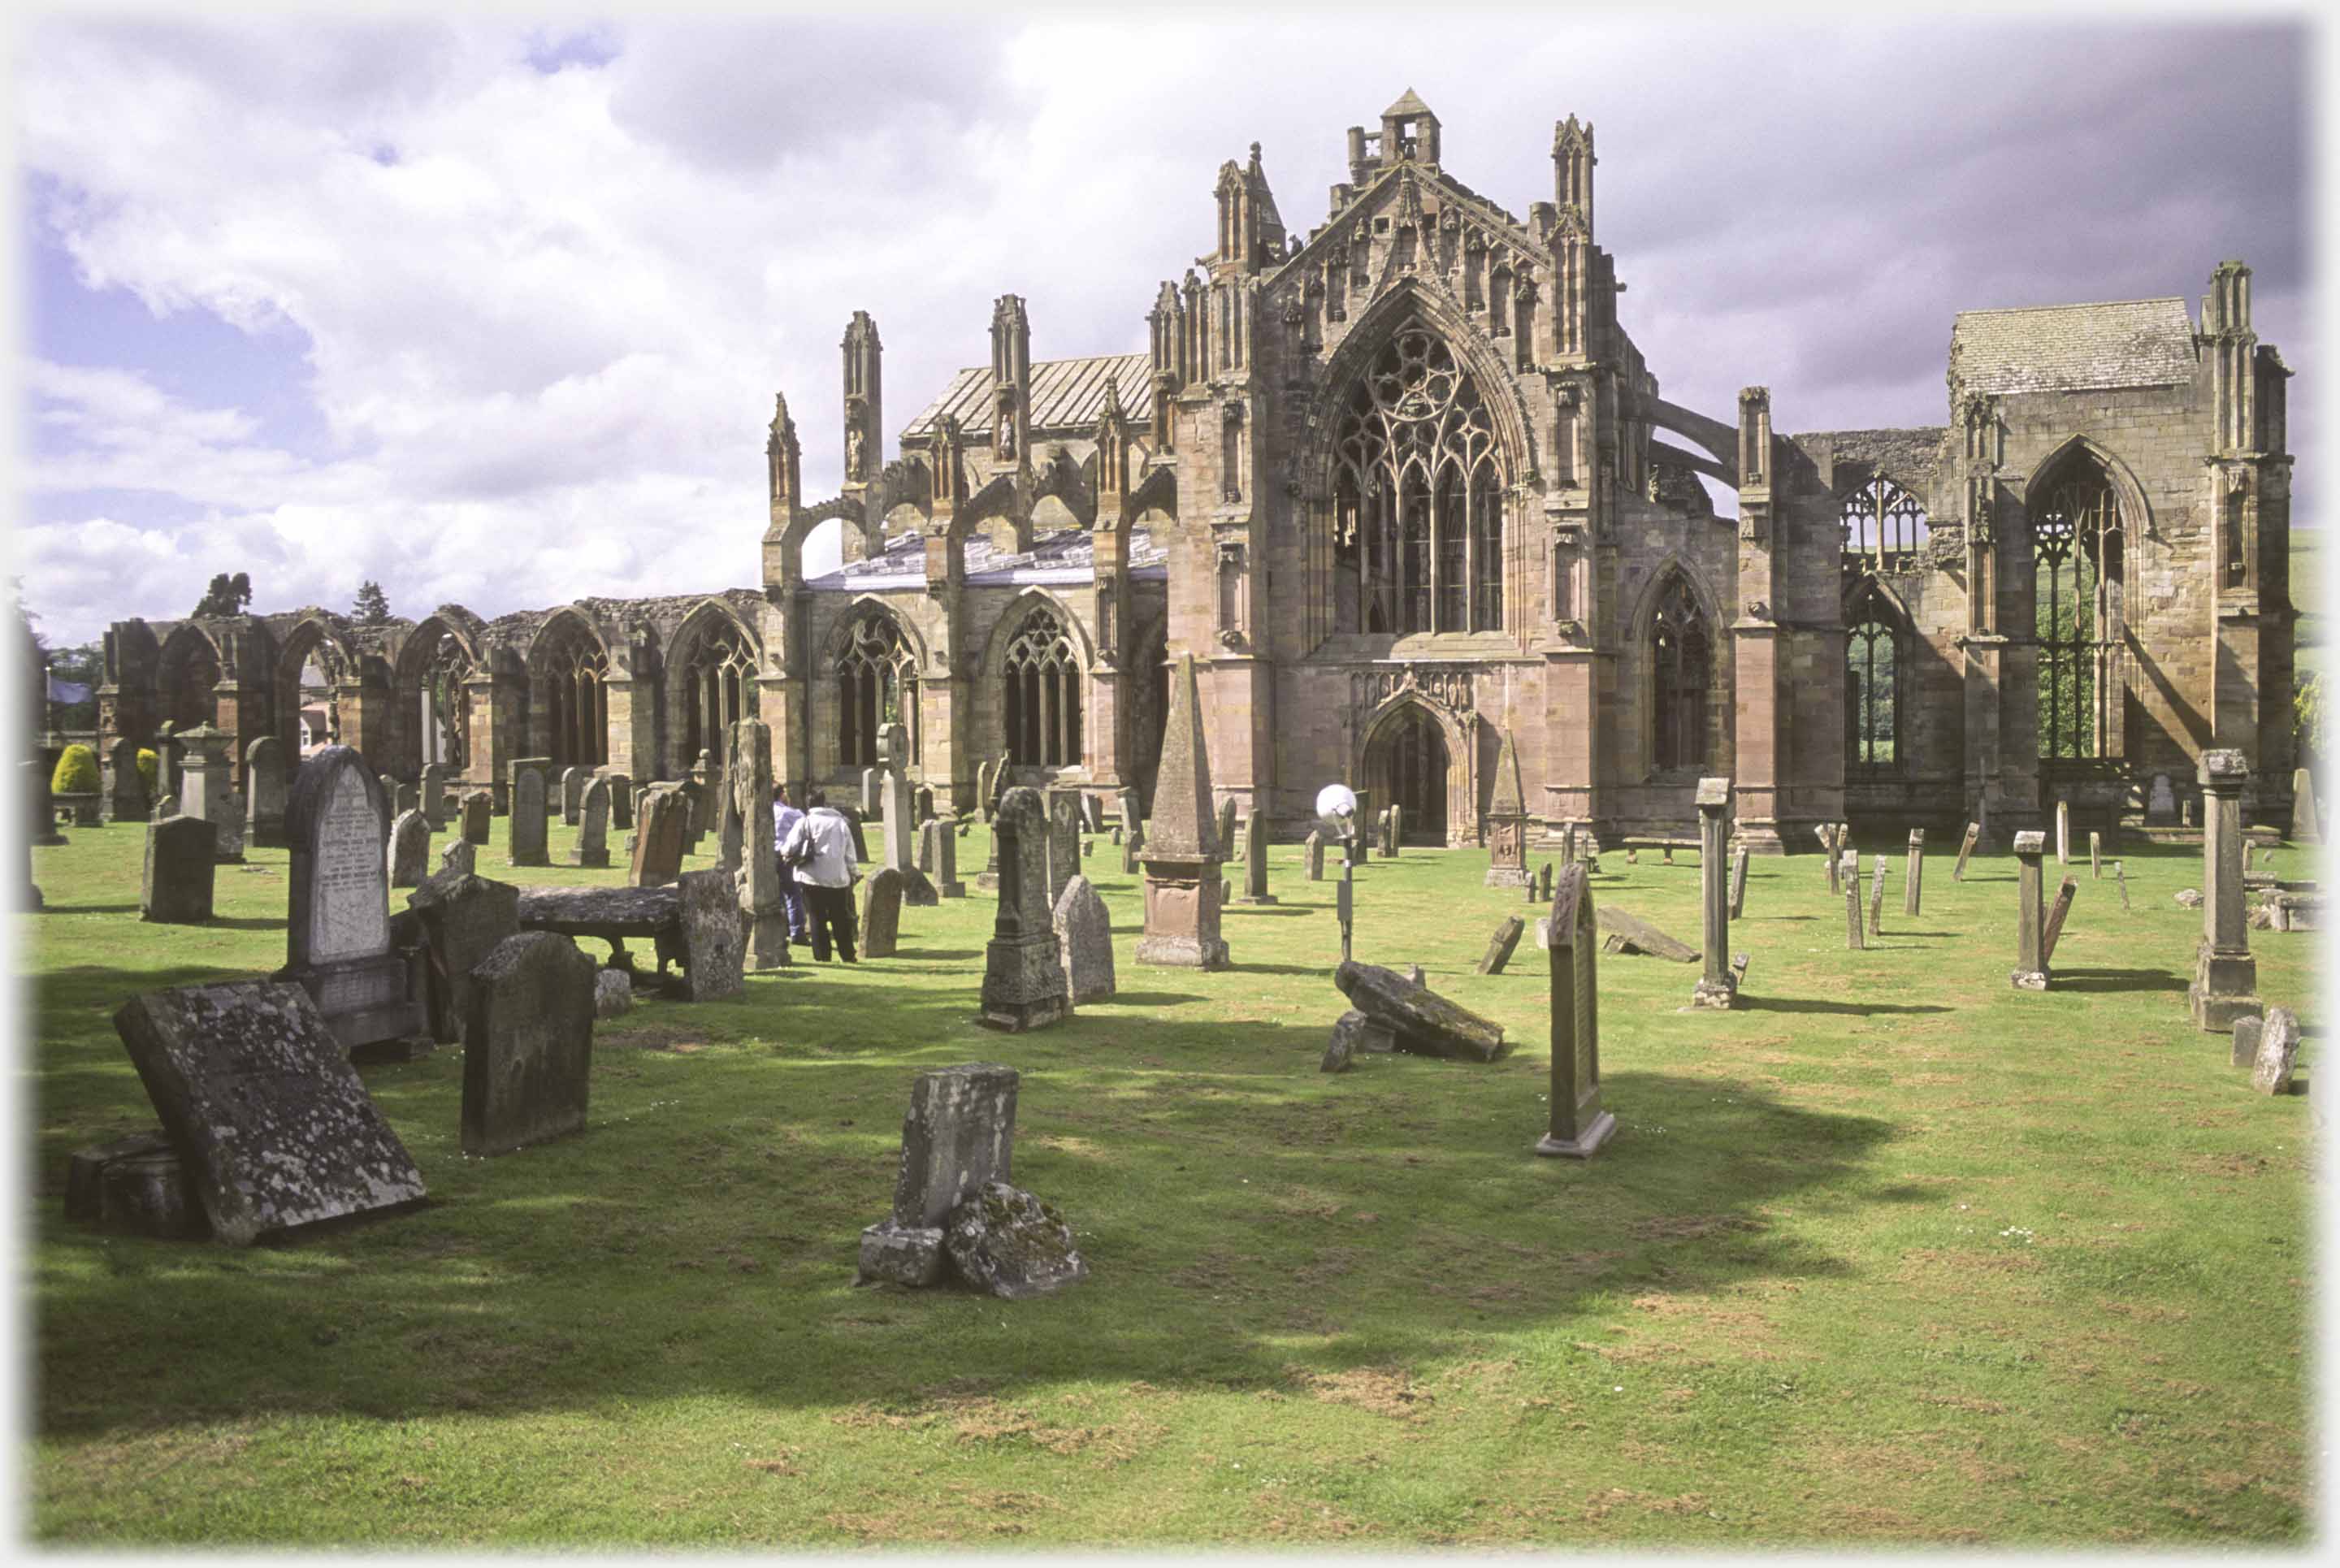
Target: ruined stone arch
[
  {"x": 325, "y": 637},
  {"x": 426, "y": 681},
  {"x": 568, "y": 667},
  {"x": 2076, "y": 593},
  {"x": 190, "y": 664},
  {"x": 1457, "y": 733},
  {"x": 708, "y": 683},
  {"x": 1657, "y": 697},
  {"x": 846, "y": 509}
]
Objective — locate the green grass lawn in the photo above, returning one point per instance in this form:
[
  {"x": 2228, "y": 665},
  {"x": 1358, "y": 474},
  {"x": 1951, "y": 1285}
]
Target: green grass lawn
[{"x": 1893, "y": 1253}]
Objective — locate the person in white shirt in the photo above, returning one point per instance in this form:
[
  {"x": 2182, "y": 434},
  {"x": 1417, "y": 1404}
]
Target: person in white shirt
[
  {"x": 784, "y": 817},
  {"x": 820, "y": 849}
]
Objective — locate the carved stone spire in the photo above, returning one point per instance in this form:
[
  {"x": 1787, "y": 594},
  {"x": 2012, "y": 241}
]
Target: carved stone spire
[
  {"x": 1011, "y": 378},
  {"x": 1185, "y": 823},
  {"x": 865, "y": 426},
  {"x": 784, "y": 460},
  {"x": 1572, "y": 169}
]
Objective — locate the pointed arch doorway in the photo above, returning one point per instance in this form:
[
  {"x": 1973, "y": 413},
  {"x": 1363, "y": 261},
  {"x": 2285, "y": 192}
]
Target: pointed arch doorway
[{"x": 1408, "y": 763}]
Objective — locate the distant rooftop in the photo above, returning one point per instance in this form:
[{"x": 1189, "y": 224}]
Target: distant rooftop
[
  {"x": 1067, "y": 395},
  {"x": 2073, "y": 348},
  {"x": 1066, "y": 558}
]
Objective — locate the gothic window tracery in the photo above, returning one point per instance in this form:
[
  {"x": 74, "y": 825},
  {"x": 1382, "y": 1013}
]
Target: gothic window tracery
[
  {"x": 719, "y": 689},
  {"x": 1885, "y": 527},
  {"x": 1043, "y": 678},
  {"x": 2076, "y": 551},
  {"x": 1682, "y": 651},
  {"x": 877, "y": 684},
  {"x": 577, "y": 690},
  {"x": 1418, "y": 497},
  {"x": 1872, "y": 668}
]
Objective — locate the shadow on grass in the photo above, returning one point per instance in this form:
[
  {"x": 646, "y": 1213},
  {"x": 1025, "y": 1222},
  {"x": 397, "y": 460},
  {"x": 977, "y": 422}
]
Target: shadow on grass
[
  {"x": 2115, "y": 981},
  {"x": 1814, "y": 1005}
]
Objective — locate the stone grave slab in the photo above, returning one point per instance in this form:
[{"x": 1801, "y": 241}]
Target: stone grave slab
[{"x": 528, "y": 1051}]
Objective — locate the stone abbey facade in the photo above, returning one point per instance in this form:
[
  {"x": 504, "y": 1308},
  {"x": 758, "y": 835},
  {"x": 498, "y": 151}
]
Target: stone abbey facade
[{"x": 1404, "y": 485}]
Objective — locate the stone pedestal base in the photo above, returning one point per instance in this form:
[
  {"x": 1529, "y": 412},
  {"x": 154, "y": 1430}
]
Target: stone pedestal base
[
  {"x": 1182, "y": 914},
  {"x": 2029, "y": 979},
  {"x": 590, "y": 858},
  {"x": 2225, "y": 988},
  {"x": 1765, "y": 836},
  {"x": 903, "y": 1255},
  {"x": 1717, "y": 994},
  {"x": 1506, "y": 877},
  {"x": 768, "y": 940},
  {"x": 1023, "y": 985},
  {"x": 1580, "y": 1148},
  {"x": 366, "y": 1001}
]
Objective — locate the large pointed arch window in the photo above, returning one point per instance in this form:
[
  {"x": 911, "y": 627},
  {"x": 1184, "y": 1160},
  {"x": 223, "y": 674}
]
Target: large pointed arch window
[
  {"x": 1872, "y": 657},
  {"x": 1885, "y": 527},
  {"x": 577, "y": 697},
  {"x": 2075, "y": 555},
  {"x": 1418, "y": 497},
  {"x": 1683, "y": 652},
  {"x": 1042, "y": 676},
  {"x": 719, "y": 689},
  {"x": 877, "y": 685}
]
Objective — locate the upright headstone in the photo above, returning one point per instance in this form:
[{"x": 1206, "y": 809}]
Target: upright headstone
[
  {"x": 463, "y": 917},
  {"x": 985, "y": 773},
  {"x": 1084, "y": 942},
  {"x": 178, "y": 887},
  {"x": 1738, "y": 881},
  {"x": 2030, "y": 916},
  {"x": 477, "y": 811},
  {"x": 1063, "y": 846},
  {"x": 434, "y": 796},
  {"x": 207, "y": 789},
  {"x": 167, "y": 752},
  {"x": 1567, "y": 832},
  {"x": 853, "y": 824},
  {"x": 1024, "y": 985},
  {"x": 657, "y": 842},
  {"x": 2306, "y": 827},
  {"x": 572, "y": 793},
  {"x": 744, "y": 842},
  {"x": 698, "y": 801},
  {"x": 2277, "y": 1054},
  {"x": 1853, "y": 928},
  {"x": 2063, "y": 832},
  {"x": 1501, "y": 946},
  {"x": 1834, "y": 854},
  {"x": 1313, "y": 845},
  {"x": 338, "y": 946},
  {"x": 714, "y": 946},
  {"x": 128, "y": 800},
  {"x": 592, "y": 820},
  {"x": 1395, "y": 838},
  {"x": 264, "y": 793},
  {"x": 408, "y": 797},
  {"x": 1507, "y": 822},
  {"x": 1254, "y": 843},
  {"x": 922, "y": 803},
  {"x": 1876, "y": 899},
  {"x": 1361, "y": 839},
  {"x": 459, "y": 855},
  {"x": 524, "y": 827},
  {"x": 410, "y": 850},
  {"x": 2096, "y": 856},
  {"x": 947, "y": 882},
  {"x": 1717, "y": 986},
  {"x": 528, "y": 1051},
  {"x": 1181, "y": 846},
  {"x": 881, "y": 913},
  {"x": 2120, "y": 879},
  {"x": 2225, "y": 976},
  {"x": 873, "y": 798},
  {"x": 267, "y": 1116},
  {"x": 621, "y": 802},
  {"x": 1091, "y": 814},
  {"x": 958, "y": 1136},
  {"x": 2161, "y": 803},
  {"x": 1133, "y": 825},
  {"x": 927, "y": 846},
  {"x": 1913, "y": 874},
  {"x": 1966, "y": 850},
  {"x": 2055, "y": 927},
  {"x": 1579, "y": 1124},
  {"x": 1226, "y": 824}
]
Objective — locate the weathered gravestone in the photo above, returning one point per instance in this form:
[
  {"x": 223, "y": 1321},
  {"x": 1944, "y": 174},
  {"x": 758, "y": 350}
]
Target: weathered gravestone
[
  {"x": 408, "y": 797},
  {"x": 434, "y": 796},
  {"x": 1313, "y": 848},
  {"x": 2225, "y": 975},
  {"x": 1543, "y": 883},
  {"x": 1354, "y": 1032},
  {"x": 592, "y": 846},
  {"x": 176, "y": 890},
  {"x": 657, "y": 842},
  {"x": 2063, "y": 832},
  {"x": 1738, "y": 881},
  {"x": 1629, "y": 933},
  {"x": 621, "y": 802},
  {"x": 1853, "y": 938},
  {"x": 613, "y": 993},
  {"x": 2120, "y": 881},
  {"x": 926, "y": 847},
  {"x": 464, "y": 916},
  {"x": 572, "y": 793},
  {"x": 873, "y": 799},
  {"x": 1913, "y": 873},
  {"x": 958, "y": 1137},
  {"x": 2306, "y": 827},
  {"x": 207, "y": 789},
  {"x": 1500, "y": 945},
  {"x": 2161, "y": 803},
  {"x": 136, "y": 1185},
  {"x": 2030, "y": 973},
  {"x": 987, "y": 774},
  {"x": 1181, "y": 847},
  {"x": 947, "y": 828},
  {"x": 2055, "y": 917},
  {"x": 1007, "y": 1243},
  {"x": 744, "y": 842},
  {"x": 2095, "y": 855},
  {"x": 338, "y": 946},
  {"x": 1254, "y": 843},
  {"x": 1507, "y": 821},
  {"x": 1024, "y": 985},
  {"x": 1133, "y": 825},
  {"x": 922, "y": 804},
  {"x": 2278, "y": 1053},
  {"x": 1834, "y": 856},
  {"x": 899, "y": 825},
  {"x": 860, "y": 841},
  {"x": 477, "y": 812},
  {"x": 1422, "y": 1022},
  {"x": 1876, "y": 899},
  {"x": 1091, "y": 814},
  {"x": 1716, "y": 986},
  {"x": 714, "y": 946},
  {"x": 2246, "y": 1039},
  {"x": 1226, "y": 826},
  {"x": 128, "y": 800},
  {"x": 528, "y": 1044},
  {"x": 264, "y": 793},
  {"x": 524, "y": 829},
  {"x": 1393, "y": 836},
  {"x": 881, "y": 913},
  {"x": 268, "y": 1117},
  {"x": 1084, "y": 942},
  {"x": 1965, "y": 851},
  {"x": 410, "y": 850},
  {"x": 1579, "y": 1124}
]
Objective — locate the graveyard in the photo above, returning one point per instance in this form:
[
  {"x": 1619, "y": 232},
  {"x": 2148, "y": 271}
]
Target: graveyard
[{"x": 1882, "y": 1249}]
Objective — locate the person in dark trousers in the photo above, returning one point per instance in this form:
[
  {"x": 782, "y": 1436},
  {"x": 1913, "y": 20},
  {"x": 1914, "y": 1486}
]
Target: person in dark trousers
[
  {"x": 784, "y": 817},
  {"x": 820, "y": 847}
]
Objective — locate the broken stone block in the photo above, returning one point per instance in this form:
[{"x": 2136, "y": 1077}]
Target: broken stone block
[
  {"x": 897, "y": 1254},
  {"x": 2278, "y": 1053},
  {"x": 2246, "y": 1039},
  {"x": 135, "y": 1185},
  {"x": 1354, "y": 1032},
  {"x": 2188, "y": 897},
  {"x": 1004, "y": 1240},
  {"x": 1630, "y": 933},
  {"x": 1500, "y": 945},
  {"x": 1423, "y": 1022}
]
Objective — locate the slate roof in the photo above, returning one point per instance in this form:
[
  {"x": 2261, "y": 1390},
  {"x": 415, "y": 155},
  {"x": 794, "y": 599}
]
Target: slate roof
[
  {"x": 2072, "y": 348},
  {"x": 1067, "y": 395},
  {"x": 1066, "y": 558}
]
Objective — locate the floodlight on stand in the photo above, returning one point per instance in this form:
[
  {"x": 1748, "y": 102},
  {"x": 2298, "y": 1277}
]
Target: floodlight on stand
[{"x": 1337, "y": 814}]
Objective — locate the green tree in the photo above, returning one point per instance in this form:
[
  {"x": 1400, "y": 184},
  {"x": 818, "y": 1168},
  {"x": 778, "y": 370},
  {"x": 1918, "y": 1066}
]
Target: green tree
[
  {"x": 76, "y": 772},
  {"x": 150, "y": 769},
  {"x": 373, "y": 607},
  {"x": 227, "y": 596}
]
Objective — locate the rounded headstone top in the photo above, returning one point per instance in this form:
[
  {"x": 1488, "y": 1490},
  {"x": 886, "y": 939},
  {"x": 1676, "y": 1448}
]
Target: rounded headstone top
[{"x": 312, "y": 788}]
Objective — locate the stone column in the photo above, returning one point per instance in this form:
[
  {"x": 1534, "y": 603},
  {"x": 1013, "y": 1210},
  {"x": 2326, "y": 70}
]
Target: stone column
[
  {"x": 2030, "y": 918},
  {"x": 1714, "y": 987},
  {"x": 2225, "y": 976}
]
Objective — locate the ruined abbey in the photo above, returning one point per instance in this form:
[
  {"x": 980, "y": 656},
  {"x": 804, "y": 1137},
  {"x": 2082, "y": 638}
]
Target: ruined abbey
[{"x": 1403, "y": 483}]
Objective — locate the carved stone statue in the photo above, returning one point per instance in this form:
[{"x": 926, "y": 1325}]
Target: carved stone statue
[{"x": 853, "y": 453}]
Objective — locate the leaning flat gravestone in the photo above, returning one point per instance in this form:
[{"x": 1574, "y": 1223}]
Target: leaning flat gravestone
[
  {"x": 958, "y": 1137},
  {"x": 2278, "y": 1053},
  {"x": 528, "y": 1052},
  {"x": 337, "y": 938},
  {"x": 459, "y": 855},
  {"x": 274, "y": 1128},
  {"x": 465, "y": 918},
  {"x": 1965, "y": 851},
  {"x": 2246, "y": 1039},
  {"x": 881, "y": 913},
  {"x": 1500, "y": 946},
  {"x": 1630, "y": 934},
  {"x": 410, "y": 850},
  {"x": 572, "y": 794},
  {"x": 1424, "y": 1022},
  {"x": 177, "y": 889},
  {"x": 714, "y": 944},
  {"x": 1085, "y": 934}
]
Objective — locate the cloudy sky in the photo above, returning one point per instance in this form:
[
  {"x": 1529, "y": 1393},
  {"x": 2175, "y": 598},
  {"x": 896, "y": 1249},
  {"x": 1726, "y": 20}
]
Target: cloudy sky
[{"x": 493, "y": 312}]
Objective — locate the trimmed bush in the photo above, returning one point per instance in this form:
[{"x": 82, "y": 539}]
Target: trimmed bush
[
  {"x": 76, "y": 772},
  {"x": 150, "y": 768}
]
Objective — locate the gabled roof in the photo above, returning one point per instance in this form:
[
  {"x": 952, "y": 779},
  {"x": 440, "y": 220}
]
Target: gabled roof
[
  {"x": 2073, "y": 348},
  {"x": 1067, "y": 395}
]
